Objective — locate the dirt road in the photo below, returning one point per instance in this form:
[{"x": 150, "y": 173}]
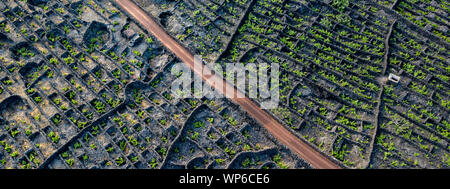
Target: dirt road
[{"x": 305, "y": 151}]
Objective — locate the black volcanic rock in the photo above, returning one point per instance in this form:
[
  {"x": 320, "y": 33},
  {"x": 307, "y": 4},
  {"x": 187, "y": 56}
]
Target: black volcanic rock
[{"x": 37, "y": 2}]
